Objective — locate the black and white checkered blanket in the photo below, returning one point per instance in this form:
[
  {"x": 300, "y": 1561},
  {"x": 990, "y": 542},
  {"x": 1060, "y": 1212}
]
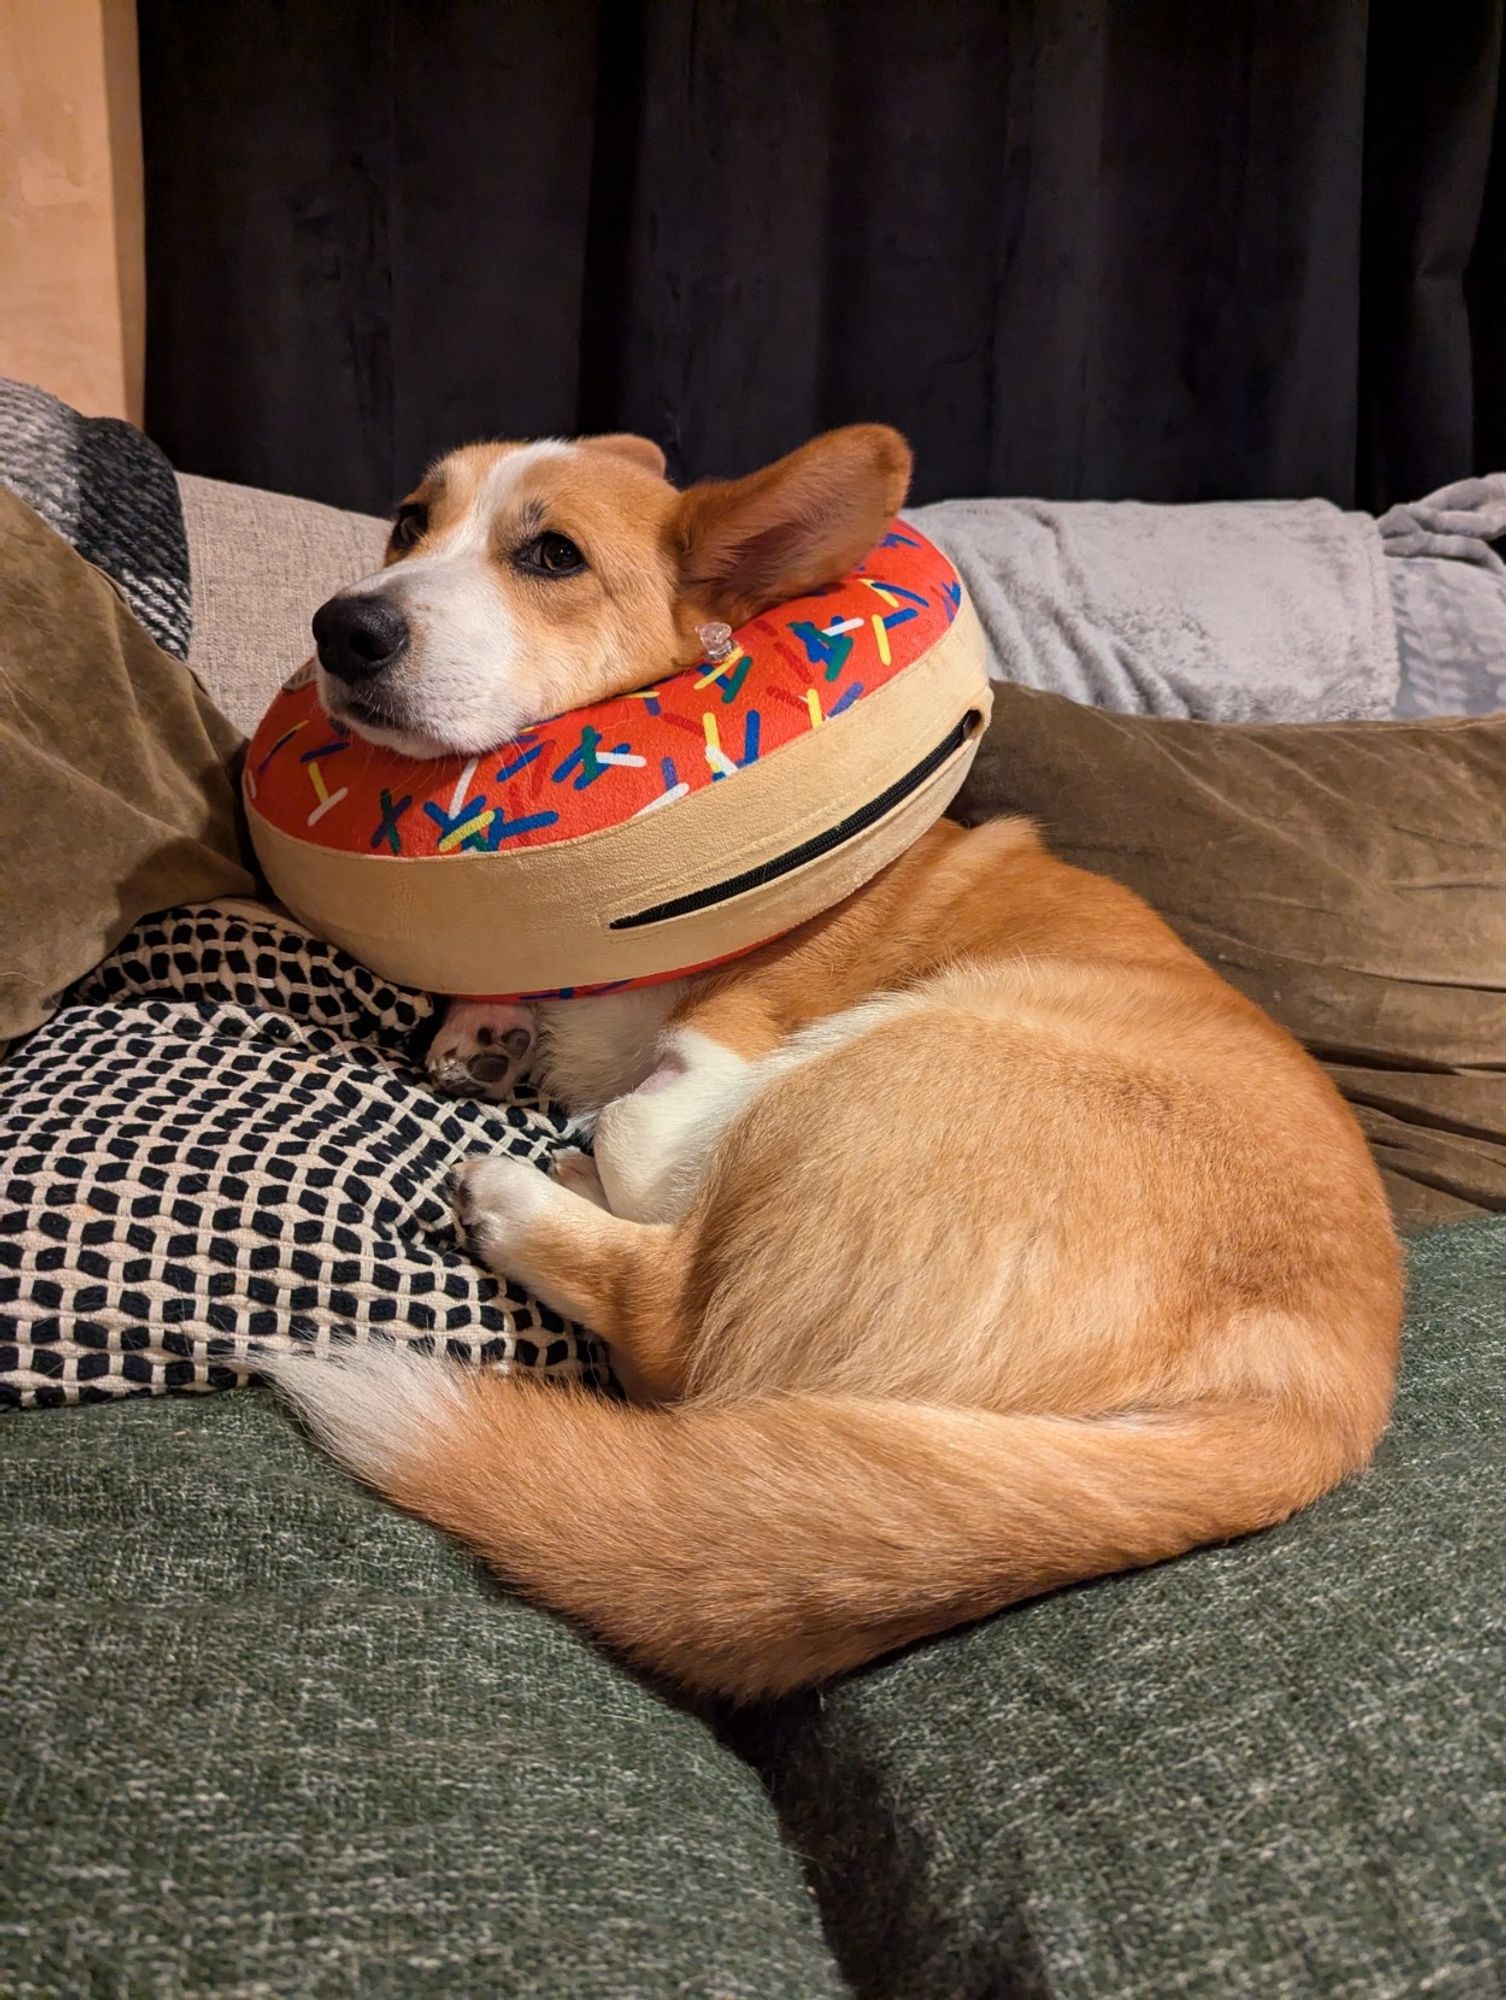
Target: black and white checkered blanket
[{"x": 224, "y": 1141}]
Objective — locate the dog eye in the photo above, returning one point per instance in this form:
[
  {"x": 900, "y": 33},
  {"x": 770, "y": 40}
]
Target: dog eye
[
  {"x": 411, "y": 525},
  {"x": 552, "y": 555}
]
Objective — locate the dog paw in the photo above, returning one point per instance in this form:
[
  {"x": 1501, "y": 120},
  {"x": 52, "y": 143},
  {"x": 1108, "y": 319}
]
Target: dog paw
[
  {"x": 480, "y": 1050},
  {"x": 496, "y": 1203}
]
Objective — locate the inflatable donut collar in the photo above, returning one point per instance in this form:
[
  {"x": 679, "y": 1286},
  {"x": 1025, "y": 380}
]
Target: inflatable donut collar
[{"x": 813, "y": 667}]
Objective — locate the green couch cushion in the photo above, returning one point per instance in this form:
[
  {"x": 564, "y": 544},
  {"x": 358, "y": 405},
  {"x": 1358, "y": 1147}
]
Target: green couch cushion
[
  {"x": 264, "y": 1736},
  {"x": 1276, "y": 1768}
]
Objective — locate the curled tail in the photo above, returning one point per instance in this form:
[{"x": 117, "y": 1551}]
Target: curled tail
[{"x": 753, "y": 1548}]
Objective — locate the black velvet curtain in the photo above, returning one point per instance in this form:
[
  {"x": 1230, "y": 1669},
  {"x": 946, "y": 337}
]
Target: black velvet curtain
[{"x": 1166, "y": 249}]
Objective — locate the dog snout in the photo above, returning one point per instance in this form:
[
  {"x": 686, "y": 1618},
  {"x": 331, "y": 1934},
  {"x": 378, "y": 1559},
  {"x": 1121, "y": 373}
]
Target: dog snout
[{"x": 358, "y": 637}]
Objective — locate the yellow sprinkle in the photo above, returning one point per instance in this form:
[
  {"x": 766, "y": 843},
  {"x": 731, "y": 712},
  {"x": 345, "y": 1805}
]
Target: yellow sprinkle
[
  {"x": 716, "y": 756},
  {"x": 881, "y": 634},
  {"x": 721, "y": 667},
  {"x": 813, "y": 703},
  {"x": 453, "y": 838},
  {"x": 316, "y": 779},
  {"x": 890, "y": 601}
]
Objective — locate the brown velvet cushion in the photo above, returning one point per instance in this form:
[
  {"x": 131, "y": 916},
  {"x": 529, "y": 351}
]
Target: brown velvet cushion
[
  {"x": 1351, "y": 877},
  {"x": 116, "y": 796}
]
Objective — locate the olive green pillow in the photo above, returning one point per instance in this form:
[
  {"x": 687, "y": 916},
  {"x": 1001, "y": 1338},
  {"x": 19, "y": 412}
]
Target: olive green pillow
[
  {"x": 116, "y": 792},
  {"x": 1349, "y": 876}
]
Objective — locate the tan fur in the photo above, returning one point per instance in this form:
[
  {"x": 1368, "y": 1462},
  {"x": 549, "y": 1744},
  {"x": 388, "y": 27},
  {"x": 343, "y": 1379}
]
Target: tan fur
[
  {"x": 658, "y": 561},
  {"x": 1066, "y": 1261}
]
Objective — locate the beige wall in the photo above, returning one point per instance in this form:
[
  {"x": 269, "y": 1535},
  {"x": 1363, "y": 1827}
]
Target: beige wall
[{"x": 72, "y": 288}]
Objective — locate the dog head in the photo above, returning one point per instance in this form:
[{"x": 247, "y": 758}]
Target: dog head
[{"x": 522, "y": 580}]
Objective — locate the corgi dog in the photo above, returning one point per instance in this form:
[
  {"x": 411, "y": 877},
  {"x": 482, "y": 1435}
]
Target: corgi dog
[{"x": 971, "y": 1241}]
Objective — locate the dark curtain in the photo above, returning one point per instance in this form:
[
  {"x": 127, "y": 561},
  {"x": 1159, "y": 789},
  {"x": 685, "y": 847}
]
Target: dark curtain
[{"x": 1166, "y": 249}]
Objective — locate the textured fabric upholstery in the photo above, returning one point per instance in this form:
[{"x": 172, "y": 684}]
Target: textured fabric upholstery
[
  {"x": 1276, "y": 1768},
  {"x": 265, "y": 1736},
  {"x": 262, "y": 564}
]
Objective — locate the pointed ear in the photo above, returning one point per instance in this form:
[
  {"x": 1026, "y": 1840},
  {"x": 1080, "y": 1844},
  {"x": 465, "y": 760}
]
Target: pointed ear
[
  {"x": 623, "y": 444},
  {"x": 744, "y": 544}
]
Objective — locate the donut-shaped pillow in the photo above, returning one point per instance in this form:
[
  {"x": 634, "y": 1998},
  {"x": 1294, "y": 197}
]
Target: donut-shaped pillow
[{"x": 651, "y": 834}]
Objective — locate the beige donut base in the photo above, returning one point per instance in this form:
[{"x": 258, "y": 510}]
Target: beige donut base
[{"x": 539, "y": 918}]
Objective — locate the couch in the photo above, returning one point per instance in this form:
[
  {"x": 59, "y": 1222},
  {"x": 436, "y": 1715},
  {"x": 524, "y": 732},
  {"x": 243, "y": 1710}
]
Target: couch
[{"x": 267, "y": 1737}]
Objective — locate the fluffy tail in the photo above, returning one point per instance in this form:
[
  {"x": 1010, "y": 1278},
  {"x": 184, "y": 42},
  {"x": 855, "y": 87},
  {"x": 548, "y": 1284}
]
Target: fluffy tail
[{"x": 753, "y": 1548}]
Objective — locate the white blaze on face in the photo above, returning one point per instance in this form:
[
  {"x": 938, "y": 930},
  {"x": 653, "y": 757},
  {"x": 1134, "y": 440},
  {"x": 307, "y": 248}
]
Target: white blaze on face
[{"x": 459, "y": 683}]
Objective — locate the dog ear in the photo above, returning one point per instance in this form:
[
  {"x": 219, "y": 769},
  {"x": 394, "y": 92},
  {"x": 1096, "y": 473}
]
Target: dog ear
[
  {"x": 623, "y": 444},
  {"x": 744, "y": 544}
]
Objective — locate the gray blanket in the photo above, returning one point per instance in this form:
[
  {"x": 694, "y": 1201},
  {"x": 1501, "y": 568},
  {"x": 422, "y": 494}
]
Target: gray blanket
[
  {"x": 1230, "y": 612},
  {"x": 1448, "y": 591},
  {"x": 107, "y": 489}
]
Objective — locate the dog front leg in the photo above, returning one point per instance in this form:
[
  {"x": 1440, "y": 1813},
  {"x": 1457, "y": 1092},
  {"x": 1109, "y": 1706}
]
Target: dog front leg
[{"x": 654, "y": 1145}]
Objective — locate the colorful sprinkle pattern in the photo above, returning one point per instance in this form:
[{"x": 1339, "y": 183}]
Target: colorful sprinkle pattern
[{"x": 790, "y": 671}]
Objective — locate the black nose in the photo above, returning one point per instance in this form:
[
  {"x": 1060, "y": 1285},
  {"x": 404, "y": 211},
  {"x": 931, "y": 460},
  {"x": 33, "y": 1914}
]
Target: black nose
[{"x": 358, "y": 636}]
